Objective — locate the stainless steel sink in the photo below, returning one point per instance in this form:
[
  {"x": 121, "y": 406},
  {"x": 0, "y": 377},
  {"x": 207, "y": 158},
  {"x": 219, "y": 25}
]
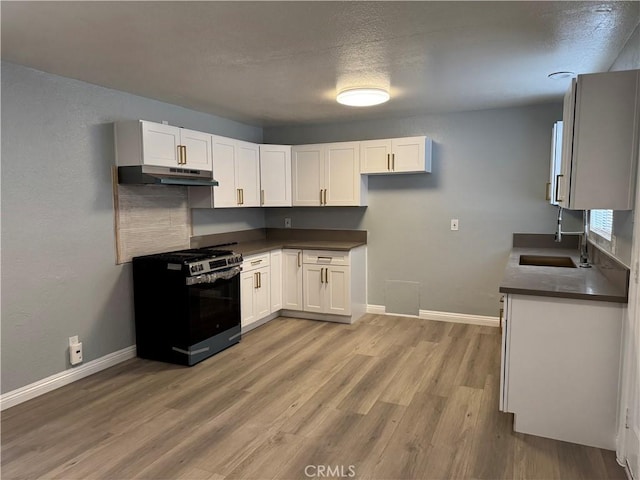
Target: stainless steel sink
[{"x": 547, "y": 261}]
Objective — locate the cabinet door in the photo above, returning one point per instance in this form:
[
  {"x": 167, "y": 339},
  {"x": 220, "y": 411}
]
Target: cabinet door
[
  {"x": 160, "y": 144},
  {"x": 263, "y": 292},
  {"x": 248, "y": 174},
  {"x": 198, "y": 151},
  {"x": 275, "y": 175},
  {"x": 504, "y": 356},
  {"x": 337, "y": 290},
  {"x": 313, "y": 285},
  {"x": 409, "y": 155},
  {"x": 605, "y": 141},
  {"x": 276, "y": 280},
  {"x": 224, "y": 153},
  {"x": 342, "y": 174},
  {"x": 563, "y": 179},
  {"x": 292, "y": 279},
  {"x": 555, "y": 163},
  {"x": 375, "y": 156},
  {"x": 307, "y": 169},
  {"x": 248, "y": 313}
]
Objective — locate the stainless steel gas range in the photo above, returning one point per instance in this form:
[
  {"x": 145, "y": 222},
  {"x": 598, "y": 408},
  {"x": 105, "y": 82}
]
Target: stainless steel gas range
[{"x": 187, "y": 304}]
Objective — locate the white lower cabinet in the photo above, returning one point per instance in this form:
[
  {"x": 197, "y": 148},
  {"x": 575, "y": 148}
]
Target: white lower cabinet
[
  {"x": 255, "y": 291},
  {"x": 327, "y": 289},
  {"x": 560, "y": 368},
  {"x": 315, "y": 284},
  {"x": 291, "y": 279},
  {"x": 334, "y": 284},
  {"x": 275, "y": 260}
]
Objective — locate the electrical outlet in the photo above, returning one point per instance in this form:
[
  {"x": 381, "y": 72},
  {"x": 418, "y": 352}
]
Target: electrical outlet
[
  {"x": 454, "y": 224},
  {"x": 287, "y": 222},
  {"x": 75, "y": 353}
]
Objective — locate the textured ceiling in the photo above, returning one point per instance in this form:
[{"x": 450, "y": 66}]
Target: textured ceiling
[{"x": 272, "y": 63}]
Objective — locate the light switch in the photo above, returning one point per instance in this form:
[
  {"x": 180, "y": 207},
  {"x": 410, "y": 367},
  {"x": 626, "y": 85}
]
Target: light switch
[{"x": 454, "y": 224}]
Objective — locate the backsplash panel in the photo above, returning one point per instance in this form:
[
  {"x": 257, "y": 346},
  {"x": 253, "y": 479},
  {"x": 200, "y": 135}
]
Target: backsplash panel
[{"x": 150, "y": 219}]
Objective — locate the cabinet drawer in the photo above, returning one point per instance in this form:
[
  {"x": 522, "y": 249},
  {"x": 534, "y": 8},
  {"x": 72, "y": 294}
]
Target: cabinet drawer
[
  {"x": 256, "y": 261},
  {"x": 325, "y": 257}
]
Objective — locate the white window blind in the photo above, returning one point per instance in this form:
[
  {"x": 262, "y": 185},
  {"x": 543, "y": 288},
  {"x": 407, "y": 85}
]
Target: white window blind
[{"x": 601, "y": 223}]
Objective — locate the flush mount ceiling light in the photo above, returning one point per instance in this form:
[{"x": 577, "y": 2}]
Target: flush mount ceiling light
[
  {"x": 561, "y": 75},
  {"x": 362, "y": 97}
]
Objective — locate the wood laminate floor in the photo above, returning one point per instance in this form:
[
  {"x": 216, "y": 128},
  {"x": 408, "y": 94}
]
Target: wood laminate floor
[{"x": 386, "y": 398}]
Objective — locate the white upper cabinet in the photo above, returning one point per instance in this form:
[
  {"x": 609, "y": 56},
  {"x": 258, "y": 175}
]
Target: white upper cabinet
[
  {"x": 307, "y": 170},
  {"x": 197, "y": 149},
  {"x": 275, "y": 175},
  {"x": 147, "y": 143},
  {"x": 236, "y": 168},
  {"x": 600, "y": 142},
  {"x": 555, "y": 168},
  {"x": 328, "y": 175},
  {"x": 396, "y": 155},
  {"x": 248, "y": 173},
  {"x": 224, "y": 172}
]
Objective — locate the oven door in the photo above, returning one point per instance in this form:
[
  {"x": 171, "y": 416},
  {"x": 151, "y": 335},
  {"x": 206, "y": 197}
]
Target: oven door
[{"x": 214, "y": 304}]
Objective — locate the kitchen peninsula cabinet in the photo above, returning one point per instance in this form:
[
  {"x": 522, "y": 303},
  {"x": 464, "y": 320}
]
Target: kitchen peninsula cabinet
[
  {"x": 396, "y": 155},
  {"x": 560, "y": 367},
  {"x": 327, "y": 175},
  {"x": 141, "y": 142},
  {"x": 275, "y": 175},
  {"x": 600, "y": 141}
]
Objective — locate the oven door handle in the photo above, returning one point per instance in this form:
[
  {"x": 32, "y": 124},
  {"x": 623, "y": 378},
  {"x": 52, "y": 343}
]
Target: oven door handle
[{"x": 214, "y": 276}]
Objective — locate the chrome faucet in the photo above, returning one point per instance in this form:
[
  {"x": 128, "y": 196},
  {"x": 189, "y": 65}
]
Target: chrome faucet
[{"x": 584, "y": 259}]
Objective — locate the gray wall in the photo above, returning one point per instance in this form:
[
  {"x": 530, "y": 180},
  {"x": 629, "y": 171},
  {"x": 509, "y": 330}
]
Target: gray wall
[
  {"x": 59, "y": 276},
  {"x": 489, "y": 171}
]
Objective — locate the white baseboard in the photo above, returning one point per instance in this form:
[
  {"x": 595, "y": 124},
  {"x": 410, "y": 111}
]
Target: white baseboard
[
  {"x": 66, "y": 377},
  {"x": 376, "y": 309},
  {"x": 442, "y": 316},
  {"x": 460, "y": 318}
]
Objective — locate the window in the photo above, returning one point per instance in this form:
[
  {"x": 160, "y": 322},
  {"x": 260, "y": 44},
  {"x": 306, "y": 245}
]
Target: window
[{"x": 601, "y": 223}]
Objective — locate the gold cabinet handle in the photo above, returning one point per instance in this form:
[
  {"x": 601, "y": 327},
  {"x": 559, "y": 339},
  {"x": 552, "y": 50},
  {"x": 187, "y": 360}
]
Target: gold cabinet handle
[
  {"x": 320, "y": 196},
  {"x": 259, "y": 279},
  {"x": 389, "y": 161},
  {"x": 548, "y": 192},
  {"x": 321, "y": 272},
  {"x": 179, "y": 154},
  {"x": 261, "y": 197},
  {"x": 393, "y": 162},
  {"x": 256, "y": 262},
  {"x": 557, "y": 188},
  {"x": 238, "y": 196},
  {"x": 184, "y": 161},
  {"x": 299, "y": 258},
  {"x": 326, "y": 276},
  {"x": 242, "y": 196},
  {"x": 325, "y": 196},
  {"x": 255, "y": 280}
]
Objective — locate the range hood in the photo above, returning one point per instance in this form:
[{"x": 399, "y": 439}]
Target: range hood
[{"x": 152, "y": 175}]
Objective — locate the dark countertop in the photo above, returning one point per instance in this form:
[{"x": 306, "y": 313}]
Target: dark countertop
[
  {"x": 261, "y": 246},
  {"x": 599, "y": 282}
]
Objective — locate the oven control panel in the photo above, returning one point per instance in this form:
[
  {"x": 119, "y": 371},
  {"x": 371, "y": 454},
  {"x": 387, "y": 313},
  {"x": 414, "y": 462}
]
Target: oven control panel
[{"x": 214, "y": 264}]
